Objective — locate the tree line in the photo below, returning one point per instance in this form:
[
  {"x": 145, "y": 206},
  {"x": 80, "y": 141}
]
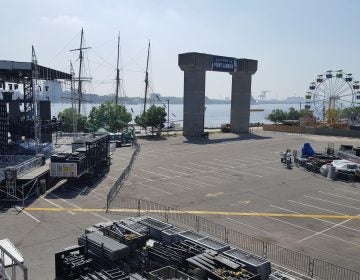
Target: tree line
[
  {"x": 278, "y": 115},
  {"x": 112, "y": 118}
]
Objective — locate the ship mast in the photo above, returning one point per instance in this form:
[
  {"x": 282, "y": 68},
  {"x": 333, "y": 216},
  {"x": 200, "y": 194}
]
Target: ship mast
[
  {"x": 81, "y": 57},
  {"x": 72, "y": 90},
  {"x": 81, "y": 61},
  {"x": 147, "y": 76},
  {"x": 117, "y": 73}
]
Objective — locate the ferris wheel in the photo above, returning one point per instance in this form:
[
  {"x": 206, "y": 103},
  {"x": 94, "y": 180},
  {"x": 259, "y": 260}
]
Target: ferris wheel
[{"x": 331, "y": 92}]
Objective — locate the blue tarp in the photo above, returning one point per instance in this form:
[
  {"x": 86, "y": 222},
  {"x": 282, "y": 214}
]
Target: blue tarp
[{"x": 307, "y": 150}]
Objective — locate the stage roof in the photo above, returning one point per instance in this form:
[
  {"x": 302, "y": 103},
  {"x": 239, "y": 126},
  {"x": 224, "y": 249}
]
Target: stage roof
[{"x": 12, "y": 71}]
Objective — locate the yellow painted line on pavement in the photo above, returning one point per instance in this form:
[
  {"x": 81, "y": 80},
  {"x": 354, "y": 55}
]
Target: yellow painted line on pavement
[
  {"x": 49, "y": 209},
  {"x": 219, "y": 213}
]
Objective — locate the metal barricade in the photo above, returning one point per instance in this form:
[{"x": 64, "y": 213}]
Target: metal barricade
[
  {"x": 246, "y": 242},
  {"x": 287, "y": 257},
  {"x": 152, "y": 207},
  {"x": 213, "y": 229},
  {"x": 182, "y": 217},
  {"x": 121, "y": 180},
  {"x": 329, "y": 271}
]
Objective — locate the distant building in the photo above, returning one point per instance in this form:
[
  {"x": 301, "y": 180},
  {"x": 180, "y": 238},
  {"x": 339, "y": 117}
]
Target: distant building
[{"x": 294, "y": 99}]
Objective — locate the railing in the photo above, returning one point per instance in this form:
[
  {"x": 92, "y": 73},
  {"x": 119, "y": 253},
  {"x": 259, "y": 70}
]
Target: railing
[
  {"x": 67, "y": 138},
  {"x": 288, "y": 257},
  {"x": 311, "y": 267},
  {"x": 248, "y": 243},
  {"x": 19, "y": 165},
  {"x": 28, "y": 165},
  {"x": 10, "y": 271},
  {"x": 329, "y": 271},
  {"x": 13, "y": 160}
]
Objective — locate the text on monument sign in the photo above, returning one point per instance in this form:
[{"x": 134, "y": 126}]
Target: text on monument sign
[{"x": 221, "y": 63}]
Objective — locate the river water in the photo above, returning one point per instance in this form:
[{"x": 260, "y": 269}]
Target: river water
[{"x": 215, "y": 114}]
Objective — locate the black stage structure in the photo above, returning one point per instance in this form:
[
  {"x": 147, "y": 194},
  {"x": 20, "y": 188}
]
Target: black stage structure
[
  {"x": 20, "y": 123},
  {"x": 24, "y": 118}
]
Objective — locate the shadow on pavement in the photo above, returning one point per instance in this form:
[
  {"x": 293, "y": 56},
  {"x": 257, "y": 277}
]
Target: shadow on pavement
[
  {"x": 240, "y": 137},
  {"x": 73, "y": 188},
  {"x": 153, "y": 138}
]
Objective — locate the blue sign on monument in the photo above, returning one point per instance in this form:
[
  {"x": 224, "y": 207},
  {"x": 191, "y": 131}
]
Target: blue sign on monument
[{"x": 222, "y": 63}]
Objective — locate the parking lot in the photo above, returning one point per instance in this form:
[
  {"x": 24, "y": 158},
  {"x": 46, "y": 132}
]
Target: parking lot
[
  {"x": 244, "y": 175},
  {"x": 224, "y": 178}
]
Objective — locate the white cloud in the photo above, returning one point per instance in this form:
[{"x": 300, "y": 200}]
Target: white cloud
[{"x": 63, "y": 20}]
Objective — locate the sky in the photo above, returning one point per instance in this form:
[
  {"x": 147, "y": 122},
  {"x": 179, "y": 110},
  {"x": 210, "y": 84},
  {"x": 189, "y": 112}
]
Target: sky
[{"x": 293, "y": 41}]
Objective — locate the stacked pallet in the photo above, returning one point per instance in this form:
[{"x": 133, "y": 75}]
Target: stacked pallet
[{"x": 104, "y": 247}]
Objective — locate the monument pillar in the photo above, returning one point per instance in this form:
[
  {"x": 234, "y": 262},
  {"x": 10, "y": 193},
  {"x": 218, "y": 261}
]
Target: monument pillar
[
  {"x": 240, "y": 102},
  {"x": 195, "y": 66},
  {"x": 194, "y": 102}
]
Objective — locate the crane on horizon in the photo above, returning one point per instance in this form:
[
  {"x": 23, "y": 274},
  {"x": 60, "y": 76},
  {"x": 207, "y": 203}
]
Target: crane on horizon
[{"x": 262, "y": 96}]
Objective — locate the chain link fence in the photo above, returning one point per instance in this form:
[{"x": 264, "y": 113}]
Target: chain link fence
[{"x": 311, "y": 267}]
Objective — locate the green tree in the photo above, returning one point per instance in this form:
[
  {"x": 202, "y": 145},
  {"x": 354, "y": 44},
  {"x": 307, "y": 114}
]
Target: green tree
[
  {"x": 277, "y": 116},
  {"x": 306, "y": 113},
  {"x": 349, "y": 113},
  {"x": 141, "y": 120},
  {"x": 293, "y": 114},
  {"x": 154, "y": 117},
  {"x": 111, "y": 117},
  {"x": 67, "y": 116}
]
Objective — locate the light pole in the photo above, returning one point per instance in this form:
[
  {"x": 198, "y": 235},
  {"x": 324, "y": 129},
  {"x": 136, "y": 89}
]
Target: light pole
[{"x": 204, "y": 118}]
